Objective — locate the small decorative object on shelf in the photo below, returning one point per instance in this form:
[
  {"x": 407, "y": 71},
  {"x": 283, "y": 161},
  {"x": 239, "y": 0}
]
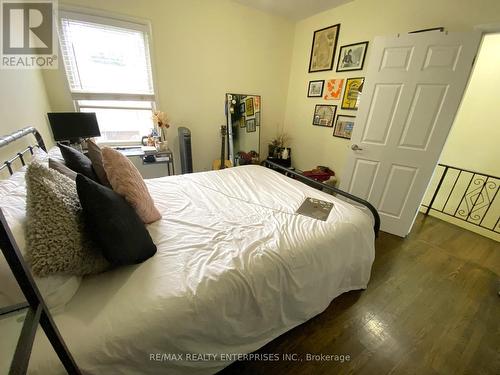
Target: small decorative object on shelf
[
  {"x": 278, "y": 152},
  {"x": 161, "y": 121},
  {"x": 277, "y": 144}
]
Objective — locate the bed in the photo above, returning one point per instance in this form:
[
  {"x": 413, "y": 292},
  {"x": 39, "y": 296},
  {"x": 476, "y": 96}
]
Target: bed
[{"x": 236, "y": 267}]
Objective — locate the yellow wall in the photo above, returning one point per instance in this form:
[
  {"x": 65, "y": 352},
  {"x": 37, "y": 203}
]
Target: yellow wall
[
  {"x": 361, "y": 20},
  {"x": 23, "y": 102},
  {"x": 474, "y": 140},
  {"x": 201, "y": 50}
]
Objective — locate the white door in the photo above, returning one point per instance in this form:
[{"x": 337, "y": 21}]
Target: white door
[{"x": 413, "y": 87}]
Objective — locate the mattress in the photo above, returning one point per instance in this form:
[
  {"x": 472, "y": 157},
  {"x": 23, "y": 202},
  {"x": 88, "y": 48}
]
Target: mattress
[{"x": 235, "y": 268}]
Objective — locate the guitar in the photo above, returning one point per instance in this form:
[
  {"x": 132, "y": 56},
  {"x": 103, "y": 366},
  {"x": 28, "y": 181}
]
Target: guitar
[{"x": 222, "y": 162}]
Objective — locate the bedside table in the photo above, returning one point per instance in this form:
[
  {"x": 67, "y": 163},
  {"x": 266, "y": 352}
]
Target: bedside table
[
  {"x": 150, "y": 169},
  {"x": 162, "y": 157}
]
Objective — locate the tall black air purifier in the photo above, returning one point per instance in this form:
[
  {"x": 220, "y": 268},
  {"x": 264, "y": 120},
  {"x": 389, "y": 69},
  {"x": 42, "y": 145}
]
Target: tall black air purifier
[{"x": 185, "y": 150}]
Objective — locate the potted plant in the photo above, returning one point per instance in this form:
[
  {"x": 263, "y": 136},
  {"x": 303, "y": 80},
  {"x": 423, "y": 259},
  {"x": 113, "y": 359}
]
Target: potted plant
[{"x": 277, "y": 144}]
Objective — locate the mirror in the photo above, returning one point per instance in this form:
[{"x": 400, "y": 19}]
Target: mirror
[{"x": 243, "y": 113}]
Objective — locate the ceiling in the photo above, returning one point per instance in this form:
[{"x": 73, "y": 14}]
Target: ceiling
[{"x": 293, "y": 9}]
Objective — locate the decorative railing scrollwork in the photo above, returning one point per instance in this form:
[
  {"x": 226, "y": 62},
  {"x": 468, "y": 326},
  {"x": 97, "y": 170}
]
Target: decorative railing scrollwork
[{"x": 467, "y": 195}]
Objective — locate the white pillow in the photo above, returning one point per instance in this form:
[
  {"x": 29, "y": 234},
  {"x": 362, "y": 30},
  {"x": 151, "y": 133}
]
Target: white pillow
[{"x": 57, "y": 290}]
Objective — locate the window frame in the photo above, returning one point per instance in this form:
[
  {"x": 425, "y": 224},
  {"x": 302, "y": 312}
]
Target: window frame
[{"x": 113, "y": 20}]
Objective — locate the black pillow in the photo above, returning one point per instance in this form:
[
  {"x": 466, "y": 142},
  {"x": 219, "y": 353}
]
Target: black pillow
[
  {"x": 77, "y": 161},
  {"x": 113, "y": 224}
]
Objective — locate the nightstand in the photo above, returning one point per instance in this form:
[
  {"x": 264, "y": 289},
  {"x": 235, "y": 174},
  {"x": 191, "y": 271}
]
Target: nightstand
[
  {"x": 162, "y": 157},
  {"x": 162, "y": 165}
]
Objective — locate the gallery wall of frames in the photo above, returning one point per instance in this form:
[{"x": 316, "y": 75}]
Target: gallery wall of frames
[{"x": 339, "y": 96}]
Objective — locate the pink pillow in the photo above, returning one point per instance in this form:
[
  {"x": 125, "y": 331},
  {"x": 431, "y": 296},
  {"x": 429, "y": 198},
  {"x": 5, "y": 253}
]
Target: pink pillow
[{"x": 127, "y": 181}]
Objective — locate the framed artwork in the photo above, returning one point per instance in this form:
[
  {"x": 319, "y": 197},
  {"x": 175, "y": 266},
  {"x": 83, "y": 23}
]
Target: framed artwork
[
  {"x": 315, "y": 89},
  {"x": 323, "y": 48},
  {"x": 251, "y": 125},
  {"x": 352, "y": 91},
  {"x": 249, "y": 110},
  {"x": 352, "y": 57},
  {"x": 343, "y": 126},
  {"x": 242, "y": 108},
  {"x": 257, "y": 118},
  {"x": 242, "y": 122},
  {"x": 256, "y": 103},
  {"x": 324, "y": 115},
  {"x": 333, "y": 89}
]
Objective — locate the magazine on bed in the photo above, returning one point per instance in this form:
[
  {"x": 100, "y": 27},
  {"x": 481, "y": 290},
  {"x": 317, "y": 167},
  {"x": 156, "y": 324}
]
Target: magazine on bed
[{"x": 315, "y": 208}]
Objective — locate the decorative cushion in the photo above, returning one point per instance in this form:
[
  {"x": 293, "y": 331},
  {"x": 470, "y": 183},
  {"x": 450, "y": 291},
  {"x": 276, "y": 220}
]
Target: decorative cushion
[
  {"x": 56, "y": 241},
  {"x": 114, "y": 224},
  {"x": 127, "y": 181},
  {"x": 77, "y": 161},
  {"x": 95, "y": 155},
  {"x": 57, "y": 290},
  {"x": 61, "y": 168}
]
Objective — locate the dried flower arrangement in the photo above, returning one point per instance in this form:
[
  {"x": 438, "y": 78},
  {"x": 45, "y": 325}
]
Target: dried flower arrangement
[{"x": 161, "y": 121}]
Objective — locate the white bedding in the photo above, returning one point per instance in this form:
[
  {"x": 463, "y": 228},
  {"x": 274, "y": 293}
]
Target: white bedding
[{"x": 235, "y": 268}]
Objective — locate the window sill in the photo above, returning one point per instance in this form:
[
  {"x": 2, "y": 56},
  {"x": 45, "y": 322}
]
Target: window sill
[{"x": 120, "y": 143}]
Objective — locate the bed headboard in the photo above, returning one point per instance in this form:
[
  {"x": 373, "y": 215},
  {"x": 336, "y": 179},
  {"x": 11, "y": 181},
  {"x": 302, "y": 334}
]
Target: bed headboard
[
  {"x": 38, "y": 312},
  {"x": 7, "y": 139}
]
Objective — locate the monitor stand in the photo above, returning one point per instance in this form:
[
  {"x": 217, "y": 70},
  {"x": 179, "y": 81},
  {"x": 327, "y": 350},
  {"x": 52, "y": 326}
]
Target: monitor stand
[{"x": 76, "y": 143}]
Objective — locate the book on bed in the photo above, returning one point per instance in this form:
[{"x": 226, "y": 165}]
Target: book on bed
[{"x": 315, "y": 208}]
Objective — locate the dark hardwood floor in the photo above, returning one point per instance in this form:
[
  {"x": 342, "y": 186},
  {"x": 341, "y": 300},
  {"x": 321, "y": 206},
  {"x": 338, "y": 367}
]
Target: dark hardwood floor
[{"x": 432, "y": 307}]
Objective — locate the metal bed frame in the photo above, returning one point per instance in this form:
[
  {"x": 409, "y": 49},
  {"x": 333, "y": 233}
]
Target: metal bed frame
[
  {"x": 328, "y": 188},
  {"x": 38, "y": 312}
]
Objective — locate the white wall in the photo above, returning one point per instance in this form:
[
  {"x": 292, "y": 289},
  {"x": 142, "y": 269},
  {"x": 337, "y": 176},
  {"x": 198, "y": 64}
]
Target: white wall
[
  {"x": 203, "y": 49},
  {"x": 23, "y": 102},
  {"x": 361, "y": 20}
]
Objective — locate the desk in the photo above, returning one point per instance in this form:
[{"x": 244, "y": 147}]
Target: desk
[{"x": 150, "y": 169}]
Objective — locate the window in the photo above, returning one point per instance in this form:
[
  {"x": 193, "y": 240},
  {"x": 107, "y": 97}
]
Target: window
[{"x": 108, "y": 68}]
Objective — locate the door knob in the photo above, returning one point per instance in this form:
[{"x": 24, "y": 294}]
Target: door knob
[{"x": 356, "y": 148}]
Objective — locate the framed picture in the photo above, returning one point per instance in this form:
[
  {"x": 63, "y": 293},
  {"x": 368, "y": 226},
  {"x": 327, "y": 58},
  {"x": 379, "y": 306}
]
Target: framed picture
[
  {"x": 242, "y": 122},
  {"x": 251, "y": 125},
  {"x": 344, "y": 126},
  {"x": 352, "y": 57},
  {"x": 315, "y": 89},
  {"x": 256, "y": 103},
  {"x": 257, "y": 118},
  {"x": 352, "y": 91},
  {"x": 324, "y": 115},
  {"x": 323, "y": 48},
  {"x": 333, "y": 89},
  {"x": 249, "y": 111},
  {"x": 242, "y": 108}
]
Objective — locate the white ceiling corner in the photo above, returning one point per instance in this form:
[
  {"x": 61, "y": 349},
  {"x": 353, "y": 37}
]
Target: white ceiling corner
[{"x": 293, "y": 9}]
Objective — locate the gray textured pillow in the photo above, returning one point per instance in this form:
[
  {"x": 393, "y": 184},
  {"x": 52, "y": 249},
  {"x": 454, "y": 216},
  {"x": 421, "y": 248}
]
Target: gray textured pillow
[
  {"x": 61, "y": 168},
  {"x": 95, "y": 156},
  {"x": 56, "y": 242}
]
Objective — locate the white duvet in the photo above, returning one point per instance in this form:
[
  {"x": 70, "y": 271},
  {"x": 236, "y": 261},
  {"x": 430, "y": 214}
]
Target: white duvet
[{"x": 235, "y": 268}]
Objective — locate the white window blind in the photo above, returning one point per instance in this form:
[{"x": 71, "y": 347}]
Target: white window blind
[{"x": 108, "y": 67}]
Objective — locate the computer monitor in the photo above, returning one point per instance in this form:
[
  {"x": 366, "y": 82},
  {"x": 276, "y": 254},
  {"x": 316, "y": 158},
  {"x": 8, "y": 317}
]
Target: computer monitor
[{"x": 73, "y": 126}]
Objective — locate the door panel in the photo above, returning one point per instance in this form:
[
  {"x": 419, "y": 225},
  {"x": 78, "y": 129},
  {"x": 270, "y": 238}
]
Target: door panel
[
  {"x": 381, "y": 113},
  {"x": 397, "y": 187},
  {"x": 423, "y": 115},
  {"x": 412, "y": 90},
  {"x": 442, "y": 57},
  {"x": 396, "y": 58},
  {"x": 363, "y": 177}
]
